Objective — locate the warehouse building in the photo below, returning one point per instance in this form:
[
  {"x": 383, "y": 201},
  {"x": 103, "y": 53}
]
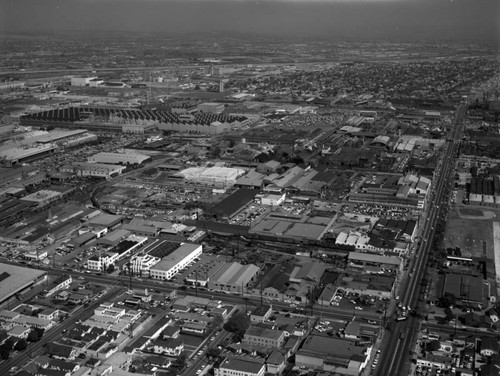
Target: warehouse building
[
  {"x": 362, "y": 260},
  {"x": 211, "y": 107},
  {"x": 119, "y": 158},
  {"x": 214, "y": 176},
  {"x": 114, "y": 237},
  {"x": 15, "y": 279},
  {"x": 310, "y": 271},
  {"x": 252, "y": 180},
  {"x": 110, "y": 221},
  {"x": 332, "y": 355},
  {"x": 61, "y": 136},
  {"x": 16, "y": 156},
  {"x": 177, "y": 260},
  {"x": 132, "y": 120},
  {"x": 81, "y": 81},
  {"x": 97, "y": 170},
  {"x": 232, "y": 204},
  {"x": 375, "y": 285},
  {"x": 233, "y": 277}
]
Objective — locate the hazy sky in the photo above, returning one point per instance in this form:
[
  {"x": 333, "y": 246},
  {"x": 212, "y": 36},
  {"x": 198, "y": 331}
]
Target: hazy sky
[{"x": 466, "y": 20}]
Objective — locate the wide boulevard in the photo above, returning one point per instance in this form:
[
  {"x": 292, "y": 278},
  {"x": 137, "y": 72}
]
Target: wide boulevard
[{"x": 398, "y": 342}]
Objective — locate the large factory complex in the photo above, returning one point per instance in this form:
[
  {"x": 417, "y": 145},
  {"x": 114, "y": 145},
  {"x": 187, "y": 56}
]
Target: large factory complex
[{"x": 248, "y": 214}]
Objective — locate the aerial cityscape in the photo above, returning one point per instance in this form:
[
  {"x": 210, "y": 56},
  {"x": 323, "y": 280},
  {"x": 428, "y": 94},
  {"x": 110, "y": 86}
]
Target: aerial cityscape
[{"x": 250, "y": 188}]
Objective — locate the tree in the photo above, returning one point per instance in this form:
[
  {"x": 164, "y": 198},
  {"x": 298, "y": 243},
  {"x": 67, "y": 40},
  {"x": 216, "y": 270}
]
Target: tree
[
  {"x": 238, "y": 324},
  {"x": 33, "y": 336},
  {"x": 9, "y": 343},
  {"x": 110, "y": 268},
  {"x": 179, "y": 362},
  {"x": 449, "y": 314},
  {"x": 433, "y": 345},
  {"x": 20, "y": 345},
  {"x": 217, "y": 321},
  {"x": 39, "y": 331},
  {"x": 446, "y": 301},
  {"x": 213, "y": 352},
  {"x": 4, "y": 352}
]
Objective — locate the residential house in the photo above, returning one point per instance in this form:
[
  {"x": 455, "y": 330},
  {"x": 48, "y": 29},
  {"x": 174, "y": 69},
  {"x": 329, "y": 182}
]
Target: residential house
[
  {"x": 63, "y": 365},
  {"x": 194, "y": 327},
  {"x": 435, "y": 361},
  {"x": 275, "y": 362},
  {"x": 20, "y": 332},
  {"x": 61, "y": 283},
  {"x": 489, "y": 346},
  {"x": 58, "y": 351},
  {"x": 49, "y": 314},
  {"x": 51, "y": 372},
  {"x": 261, "y": 313},
  {"x": 170, "y": 346}
]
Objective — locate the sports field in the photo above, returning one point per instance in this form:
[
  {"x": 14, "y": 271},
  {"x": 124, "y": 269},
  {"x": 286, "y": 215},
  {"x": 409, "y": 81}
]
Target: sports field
[{"x": 471, "y": 230}]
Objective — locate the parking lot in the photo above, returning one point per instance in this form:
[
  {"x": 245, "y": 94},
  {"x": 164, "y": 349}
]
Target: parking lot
[
  {"x": 393, "y": 212},
  {"x": 249, "y": 215}
]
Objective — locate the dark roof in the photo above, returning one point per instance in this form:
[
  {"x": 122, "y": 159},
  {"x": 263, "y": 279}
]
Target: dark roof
[
  {"x": 56, "y": 349},
  {"x": 234, "y": 202},
  {"x": 50, "y": 372},
  {"x": 62, "y": 365},
  {"x": 261, "y": 310},
  {"x": 123, "y": 246},
  {"x": 463, "y": 287}
]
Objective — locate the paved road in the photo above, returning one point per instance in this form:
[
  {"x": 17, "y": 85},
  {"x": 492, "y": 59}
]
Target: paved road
[
  {"x": 23, "y": 358},
  {"x": 400, "y": 340},
  {"x": 121, "y": 283}
]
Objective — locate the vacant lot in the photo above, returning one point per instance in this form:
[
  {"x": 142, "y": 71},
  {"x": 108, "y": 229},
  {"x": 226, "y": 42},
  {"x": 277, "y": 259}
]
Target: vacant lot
[{"x": 471, "y": 230}]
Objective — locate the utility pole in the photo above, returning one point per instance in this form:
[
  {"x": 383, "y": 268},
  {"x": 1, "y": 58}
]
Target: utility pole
[
  {"x": 196, "y": 283},
  {"x": 311, "y": 301},
  {"x": 261, "y": 298}
]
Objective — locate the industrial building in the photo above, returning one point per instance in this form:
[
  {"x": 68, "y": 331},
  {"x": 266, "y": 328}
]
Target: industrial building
[
  {"x": 374, "y": 285},
  {"x": 485, "y": 191},
  {"x": 97, "y": 170},
  {"x": 396, "y": 190},
  {"x": 252, "y": 180},
  {"x": 232, "y": 204},
  {"x": 62, "y": 136},
  {"x": 233, "y": 277},
  {"x": 311, "y": 271},
  {"x": 277, "y": 224},
  {"x": 211, "y": 107},
  {"x": 132, "y": 120},
  {"x": 119, "y": 158},
  {"x": 46, "y": 196},
  {"x": 364, "y": 260},
  {"x": 81, "y": 81},
  {"x": 19, "y": 155},
  {"x": 467, "y": 288},
  {"x": 332, "y": 355},
  {"x": 114, "y": 237},
  {"x": 141, "y": 264},
  {"x": 215, "y": 176},
  {"x": 177, "y": 260},
  {"x": 15, "y": 279},
  {"x": 102, "y": 261}
]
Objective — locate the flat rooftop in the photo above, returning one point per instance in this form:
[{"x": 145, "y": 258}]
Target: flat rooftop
[{"x": 15, "y": 278}]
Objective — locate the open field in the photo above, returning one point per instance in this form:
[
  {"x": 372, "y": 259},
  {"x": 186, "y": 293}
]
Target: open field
[{"x": 471, "y": 230}]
